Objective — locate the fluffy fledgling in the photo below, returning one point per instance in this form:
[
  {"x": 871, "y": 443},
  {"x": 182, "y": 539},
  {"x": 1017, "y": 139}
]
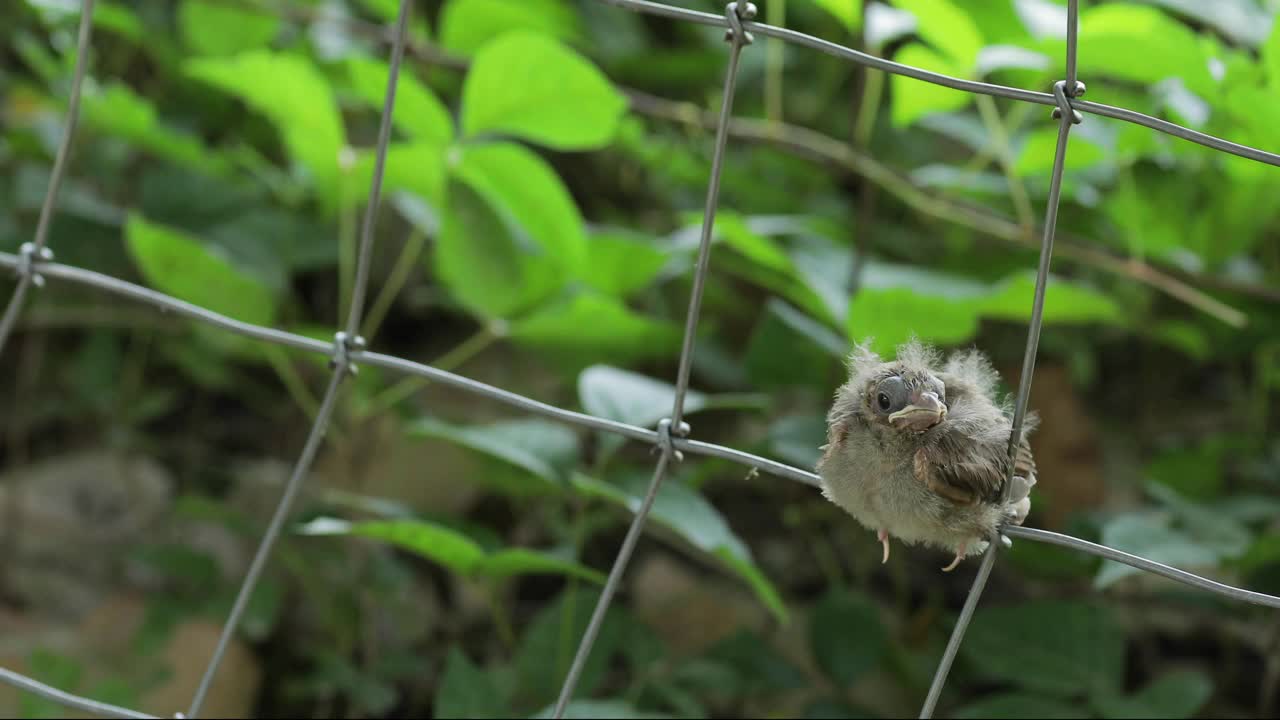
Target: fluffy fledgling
[{"x": 918, "y": 449}]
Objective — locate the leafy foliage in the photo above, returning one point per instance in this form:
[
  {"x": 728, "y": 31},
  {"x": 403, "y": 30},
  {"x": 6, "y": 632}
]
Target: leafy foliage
[{"x": 541, "y": 214}]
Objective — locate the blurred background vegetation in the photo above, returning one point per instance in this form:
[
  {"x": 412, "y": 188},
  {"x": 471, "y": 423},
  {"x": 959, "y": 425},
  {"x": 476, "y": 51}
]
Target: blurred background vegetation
[{"x": 543, "y": 195}]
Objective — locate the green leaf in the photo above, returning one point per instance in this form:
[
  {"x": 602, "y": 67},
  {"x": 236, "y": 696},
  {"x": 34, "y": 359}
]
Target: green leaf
[
  {"x": 735, "y": 231},
  {"x": 1263, "y": 552},
  {"x": 1017, "y": 705},
  {"x": 632, "y": 398},
  {"x": 1059, "y": 648},
  {"x": 532, "y": 87},
  {"x": 515, "y": 238},
  {"x": 1194, "y": 471},
  {"x": 1179, "y": 694},
  {"x": 487, "y": 260},
  {"x": 914, "y": 99},
  {"x": 539, "y": 447},
  {"x": 848, "y": 12},
  {"x": 760, "y": 664},
  {"x": 466, "y": 691},
  {"x": 947, "y": 28},
  {"x": 519, "y": 561},
  {"x": 846, "y": 636},
  {"x": 1064, "y": 303},
  {"x": 622, "y": 263},
  {"x": 294, "y": 95},
  {"x": 685, "y": 512},
  {"x": 211, "y": 27},
  {"x": 1271, "y": 55},
  {"x": 1150, "y": 535},
  {"x": 788, "y": 347},
  {"x": 445, "y": 546},
  {"x": 760, "y": 258},
  {"x": 597, "y": 325},
  {"x": 797, "y": 439},
  {"x": 418, "y": 113},
  {"x": 1036, "y": 155},
  {"x": 53, "y": 669},
  {"x": 604, "y": 710},
  {"x": 417, "y": 168},
  {"x": 467, "y": 25},
  {"x": 181, "y": 266},
  {"x": 548, "y": 644},
  {"x": 453, "y": 549},
  {"x": 896, "y": 302},
  {"x": 117, "y": 110},
  {"x": 1112, "y": 35}
]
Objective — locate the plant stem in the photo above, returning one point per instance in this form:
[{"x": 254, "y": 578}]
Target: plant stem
[
  {"x": 872, "y": 94},
  {"x": 346, "y": 250},
  {"x": 1003, "y": 149},
  {"x": 468, "y": 349},
  {"x": 501, "y": 621},
  {"x": 293, "y": 383},
  {"x": 776, "y": 10},
  {"x": 405, "y": 262}
]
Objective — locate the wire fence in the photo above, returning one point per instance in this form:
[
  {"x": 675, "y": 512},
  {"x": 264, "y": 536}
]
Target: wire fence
[{"x": 34, "y": 263}]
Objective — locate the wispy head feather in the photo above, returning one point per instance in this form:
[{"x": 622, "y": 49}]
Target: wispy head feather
[{"x": 974, "y": 368}]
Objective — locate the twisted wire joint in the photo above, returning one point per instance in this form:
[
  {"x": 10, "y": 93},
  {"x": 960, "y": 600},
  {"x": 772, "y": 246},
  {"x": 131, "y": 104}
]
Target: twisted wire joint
[
  {"x": 29, "y": 258},
  {"x": 1064, "y": 100},
  {"x": 735, "y": 13},
  {"x": 343, "y": 346},
  {"x": 664, "y": 437}
]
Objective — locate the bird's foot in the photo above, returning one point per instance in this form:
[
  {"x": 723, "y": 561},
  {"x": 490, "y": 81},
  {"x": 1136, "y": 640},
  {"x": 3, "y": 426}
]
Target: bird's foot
[
  {"x": 955, "y": 562},
  {"x": 883, "y": 537}
]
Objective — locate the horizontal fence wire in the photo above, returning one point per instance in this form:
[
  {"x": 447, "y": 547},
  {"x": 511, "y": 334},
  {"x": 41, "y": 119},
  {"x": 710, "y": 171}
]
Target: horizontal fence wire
[{"x": 34, "y": 263}]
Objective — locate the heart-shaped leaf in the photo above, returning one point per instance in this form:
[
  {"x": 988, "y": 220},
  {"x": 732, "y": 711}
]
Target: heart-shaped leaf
[{"x": 532, "y": 87}]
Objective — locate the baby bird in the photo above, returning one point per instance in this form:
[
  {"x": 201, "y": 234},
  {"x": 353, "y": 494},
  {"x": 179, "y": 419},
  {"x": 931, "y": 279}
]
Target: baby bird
[{"x": 918, "y": 449}]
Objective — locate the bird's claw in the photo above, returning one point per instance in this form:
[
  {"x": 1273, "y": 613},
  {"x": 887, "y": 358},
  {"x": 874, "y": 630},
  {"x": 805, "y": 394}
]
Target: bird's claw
[
  {"x": 883, "y": 537},
  {"x": 955, "y": 562}
]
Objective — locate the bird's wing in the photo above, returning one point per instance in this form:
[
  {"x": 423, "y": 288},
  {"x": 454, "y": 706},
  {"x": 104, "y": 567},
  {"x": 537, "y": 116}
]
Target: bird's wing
[{"x": 966, "y": 470}]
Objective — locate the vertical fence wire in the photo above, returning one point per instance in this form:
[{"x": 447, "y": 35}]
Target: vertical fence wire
[
  {"x": 345, "y": 342},
  {"x": 1067, "y": 116},
  {"x": 37, "y": 251},
  {"x": 34, "y": 261},
  {"x": 737, "y": 38}
]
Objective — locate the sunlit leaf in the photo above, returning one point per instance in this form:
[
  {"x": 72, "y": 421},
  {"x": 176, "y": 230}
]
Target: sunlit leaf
[
  {"x": 418, "y": 113},
  {"x": 599, "y": 325},
  {"x": 452, "y": 549},
  {"x": 913, "y": 99},
  {"x": 467, "y": 25},
  {"x": 532, "y": 87},
  {"x": 949, "y": 28},
  {"x": 117, "y": 110},
  {"x": 291, "y": 92},
  {"x": 211, "y": 27},
  {"x": 539, "y": 447},
  {"x": 848, "y": 12},
  {"x": 1112, "y": 35},
  {"x": 180, "y": 265},
  {"x": 622, "y": 263}
]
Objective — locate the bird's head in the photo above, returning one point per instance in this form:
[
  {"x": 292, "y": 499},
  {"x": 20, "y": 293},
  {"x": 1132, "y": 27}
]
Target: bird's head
[
  {"x": 904, "y": 395},
  {"x": 906, "y": 399}
]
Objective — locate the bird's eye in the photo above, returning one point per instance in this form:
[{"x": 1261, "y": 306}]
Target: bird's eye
[{"x": 891, "y": 395}]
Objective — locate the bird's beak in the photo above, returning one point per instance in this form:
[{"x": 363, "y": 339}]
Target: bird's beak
[{"x": 925, "y": 411}]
